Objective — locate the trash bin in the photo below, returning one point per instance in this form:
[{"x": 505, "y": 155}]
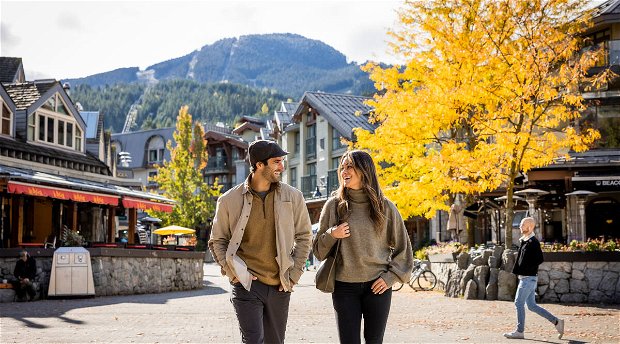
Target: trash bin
[{"x": 72, "y": 272}]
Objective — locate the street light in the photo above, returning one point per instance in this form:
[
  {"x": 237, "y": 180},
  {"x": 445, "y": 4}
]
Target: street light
[{"x": 580, "y": 196}]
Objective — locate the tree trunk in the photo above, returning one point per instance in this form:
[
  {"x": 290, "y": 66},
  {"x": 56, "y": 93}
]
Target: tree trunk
[{"x": 510, "y": 214}]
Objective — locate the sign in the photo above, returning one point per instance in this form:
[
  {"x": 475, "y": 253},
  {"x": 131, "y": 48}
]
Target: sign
[
  {"x": 60, "y": 193},
  {"x": 597, "y": 184},
  {"x": 137, "y": 203}
]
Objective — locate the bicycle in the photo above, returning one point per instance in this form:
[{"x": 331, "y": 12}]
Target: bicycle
[{"x": 422, "y": 274}]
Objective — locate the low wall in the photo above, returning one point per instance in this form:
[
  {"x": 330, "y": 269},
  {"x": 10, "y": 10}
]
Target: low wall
[
  {"x": 118, "y": 271},
  {"x": 566, "y": 277}
]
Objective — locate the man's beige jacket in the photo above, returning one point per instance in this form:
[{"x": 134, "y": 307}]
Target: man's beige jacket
[{"x": 293, "y": 233}]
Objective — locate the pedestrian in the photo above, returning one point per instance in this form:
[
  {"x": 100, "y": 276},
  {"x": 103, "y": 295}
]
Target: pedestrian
[
  {"x": 25, "y": 272},
  {"x": 261, "y": 237},
  {"x": 529, "y": 258},
  {"x": 375, "y": 250}
]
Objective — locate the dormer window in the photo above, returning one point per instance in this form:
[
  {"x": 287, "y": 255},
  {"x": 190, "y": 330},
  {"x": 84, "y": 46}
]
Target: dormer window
[
  {"x": 156, "y": 148},
  {"x": 6, "y": 119},
  {"x": 53, "y": 124}
]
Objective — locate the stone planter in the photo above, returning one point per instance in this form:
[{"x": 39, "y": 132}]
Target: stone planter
[
  {"x": 598, "y": 256},
  {"x": 442, "y": 258}
]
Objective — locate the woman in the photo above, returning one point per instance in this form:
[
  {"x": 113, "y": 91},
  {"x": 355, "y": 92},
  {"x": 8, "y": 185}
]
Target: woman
[{"x": 374, "y": 252}]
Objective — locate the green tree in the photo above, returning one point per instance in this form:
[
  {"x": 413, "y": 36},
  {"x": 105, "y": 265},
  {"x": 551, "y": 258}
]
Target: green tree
[{"x": 181, "y": 178}]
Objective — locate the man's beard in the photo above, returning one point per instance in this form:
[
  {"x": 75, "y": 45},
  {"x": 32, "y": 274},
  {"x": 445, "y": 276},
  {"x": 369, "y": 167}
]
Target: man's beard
[{"x": 269, "y": 175}]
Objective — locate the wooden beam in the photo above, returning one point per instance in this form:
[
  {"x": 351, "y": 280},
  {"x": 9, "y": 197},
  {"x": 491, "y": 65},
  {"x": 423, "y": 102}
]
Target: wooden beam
[
  {"x": 111, "y": 225},
  {"x": 133, "y": 217}
]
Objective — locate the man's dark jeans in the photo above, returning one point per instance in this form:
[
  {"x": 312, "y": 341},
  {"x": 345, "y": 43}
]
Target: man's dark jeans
[
  {"x": 262, "y": 312},
  {"x": 352, "y": 301},
  {"x": 22, "y": 288}
]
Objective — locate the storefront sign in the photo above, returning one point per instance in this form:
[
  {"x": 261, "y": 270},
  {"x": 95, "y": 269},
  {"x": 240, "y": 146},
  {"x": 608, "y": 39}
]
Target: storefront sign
[
  {"x": 59, "y": 193},
  {"x": 137, "y": 203},
  {"x": 597, "y": 183}
]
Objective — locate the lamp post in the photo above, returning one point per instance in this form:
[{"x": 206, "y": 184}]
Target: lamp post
[
  {"x": 577, "y": 228},
  {"x": 531, "y": 195}
]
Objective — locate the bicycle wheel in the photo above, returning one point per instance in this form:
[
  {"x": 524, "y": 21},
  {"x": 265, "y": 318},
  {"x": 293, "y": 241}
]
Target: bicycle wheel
[
  {"x": 397, "y": 286},
  {"x": 427, "y": 280}
]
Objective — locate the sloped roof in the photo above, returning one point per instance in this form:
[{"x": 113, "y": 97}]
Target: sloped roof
[
  {"x": 248, "y": 126},
  {"x": 607, "y": 12},
  {"x": 9, "y": 67},
  {"x": 290, "y": 107},
  {"x": 33, "y": 152},
  {"x": 92, "y": 120},
  {"x": 282, "y": 119},
  {"x": 593, "y": 158},
  {"x": 135, "y": 142},
  {"x": 27, "y": 93},
  {"x": 344, "y": 112}
]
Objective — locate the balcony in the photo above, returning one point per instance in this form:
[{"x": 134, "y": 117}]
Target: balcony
[
  {"x": 609, "y": 58},
  {"x": 311, "y": 148},
  {"x": 217, "y": 164},
  {"x": 308, "y": 185}
]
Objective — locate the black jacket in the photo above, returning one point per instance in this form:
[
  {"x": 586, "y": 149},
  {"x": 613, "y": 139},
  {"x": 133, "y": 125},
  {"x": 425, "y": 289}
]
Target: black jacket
[
  {"x": 25, "y": 269},
  {"x": 529, "y": 258}
]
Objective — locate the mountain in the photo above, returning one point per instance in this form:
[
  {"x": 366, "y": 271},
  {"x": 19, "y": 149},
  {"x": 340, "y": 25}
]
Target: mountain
[{"x": 288, "y": 63}]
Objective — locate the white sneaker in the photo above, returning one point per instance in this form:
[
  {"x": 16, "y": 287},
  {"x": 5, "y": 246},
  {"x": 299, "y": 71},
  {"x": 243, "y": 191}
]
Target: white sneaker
[
  {"x": 560, "y": 327},
  {"x": 514, "y": 335}
]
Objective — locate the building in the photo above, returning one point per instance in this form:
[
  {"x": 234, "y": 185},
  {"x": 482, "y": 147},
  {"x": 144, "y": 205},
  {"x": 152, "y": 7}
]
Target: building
[{"x": 49, "y": 179}]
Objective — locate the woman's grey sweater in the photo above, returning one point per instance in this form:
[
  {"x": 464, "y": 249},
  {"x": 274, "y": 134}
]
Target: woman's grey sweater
[{"x": 365, "y": 255}]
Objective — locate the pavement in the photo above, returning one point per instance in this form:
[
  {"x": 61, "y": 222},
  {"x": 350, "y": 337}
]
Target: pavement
[{"x": 206, "y": 316}]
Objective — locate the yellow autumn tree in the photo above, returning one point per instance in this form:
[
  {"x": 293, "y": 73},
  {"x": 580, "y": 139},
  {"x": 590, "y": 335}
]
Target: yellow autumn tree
[{"x": 489, "y": 90}]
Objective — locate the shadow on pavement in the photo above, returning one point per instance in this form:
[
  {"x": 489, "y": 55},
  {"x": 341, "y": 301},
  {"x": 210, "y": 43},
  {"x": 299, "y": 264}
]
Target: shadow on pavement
[{"x": 58, "y": 307}]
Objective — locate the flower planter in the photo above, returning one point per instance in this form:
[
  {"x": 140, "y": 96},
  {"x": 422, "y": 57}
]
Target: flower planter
[
  {"x": 598, "y": 256},
  {"x": 442, "y": 258}
]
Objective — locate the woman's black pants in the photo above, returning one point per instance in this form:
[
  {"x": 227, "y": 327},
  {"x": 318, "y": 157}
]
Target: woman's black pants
[{"x": 354, "y": 301}]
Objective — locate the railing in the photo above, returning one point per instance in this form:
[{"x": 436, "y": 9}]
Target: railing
[
  {"x": 217, "y": 163},
  {"x": 611, "y": 54},
  {"x": 308, "y": 185},
  {"x": 332, "y": 181},
  {"x": 310, "y": 147}
]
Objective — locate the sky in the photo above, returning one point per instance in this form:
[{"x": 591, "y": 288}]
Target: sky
[{"x": 70, "y": 39}]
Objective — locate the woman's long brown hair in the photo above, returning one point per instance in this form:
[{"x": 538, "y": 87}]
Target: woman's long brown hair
[{"x": 365, "y": 167}]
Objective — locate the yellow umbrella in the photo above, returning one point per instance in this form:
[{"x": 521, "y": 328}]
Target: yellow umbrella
[{"x": 170, "y": 230}]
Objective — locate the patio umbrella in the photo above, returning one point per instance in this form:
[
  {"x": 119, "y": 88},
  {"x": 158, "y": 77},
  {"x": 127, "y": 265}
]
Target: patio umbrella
[{"x": 171, "y": 230}]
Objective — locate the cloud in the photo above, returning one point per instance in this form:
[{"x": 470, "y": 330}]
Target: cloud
[
  {"x": 8, "y": 41},
  {"x": 69, "y": 21}
]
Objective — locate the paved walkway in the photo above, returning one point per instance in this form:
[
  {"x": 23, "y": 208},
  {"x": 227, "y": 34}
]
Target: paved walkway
[{"x": 206, "y": 316}]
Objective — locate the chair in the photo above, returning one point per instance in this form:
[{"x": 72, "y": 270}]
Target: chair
[{"x": 50, "y": 243}]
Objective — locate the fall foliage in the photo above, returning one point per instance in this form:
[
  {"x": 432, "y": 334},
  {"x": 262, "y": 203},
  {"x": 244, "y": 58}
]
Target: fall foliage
[
  {"x": 181, "y": 178},
  {"x": 490, "y": 90}
]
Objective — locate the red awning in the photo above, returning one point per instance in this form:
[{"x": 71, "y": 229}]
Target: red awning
[
  {"x": 137, "y": 203},
  {"x": 60, "y": 193}
]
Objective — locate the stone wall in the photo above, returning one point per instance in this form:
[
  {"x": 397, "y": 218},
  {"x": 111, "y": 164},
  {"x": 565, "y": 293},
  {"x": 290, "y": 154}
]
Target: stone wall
[
  {"x": 566, "y": 277},
  {"x": 120, "y": 271}
]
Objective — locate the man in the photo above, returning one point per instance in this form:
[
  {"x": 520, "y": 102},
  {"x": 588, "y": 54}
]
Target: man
[
  {"x": 526, "y": 268},
  {"x": 25, "y": 271},
  {"x": 261, "y": 237}
]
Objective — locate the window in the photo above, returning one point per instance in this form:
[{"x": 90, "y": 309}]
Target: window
[
  {"x": 297, "y": 143},
  {"x": 293, "y": 177},
  {"x": 155, "y": 149},
  {"x": 336, "y": 139},
  {"x": 335, "y": 162},
  {"x": 31, "y": 127},
  {"x": 312, "y": 169},
  {"x": 5, "y": 118},
  {"x": 53, "y": 124}
]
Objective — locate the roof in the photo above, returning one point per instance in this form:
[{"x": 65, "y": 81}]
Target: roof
[
  {"x": 27, "y": 93},
  {"x": 290, "y": 107},
  {"x": 76, "y": 183},
  {"x": 232, "y": 139},
  {"x": 344, "y": 112},
  {"x": 252, "y": 119},
  {"x": 607, "y": 12},
  {"x": 282, "y": 119},
  {"x": 593, "y": 158},
  {"x": 135, "y": 142},
  {"x": 31, "y": 152},
  {"x": 92, "y": 119},
  {"x": 9, "y": 67},
  {"x": 248, "y": 126}
]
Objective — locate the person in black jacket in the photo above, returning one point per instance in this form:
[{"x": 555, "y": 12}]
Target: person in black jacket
[
  {"x": 25, "y": 271},
  {"x": 529, "y": 258}
]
